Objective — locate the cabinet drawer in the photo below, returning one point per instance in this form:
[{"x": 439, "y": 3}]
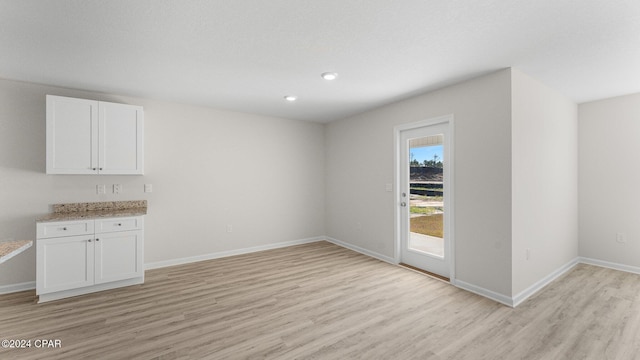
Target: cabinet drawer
[
  {"x": 118, "y": 224},
  {"x": 64, "y": 228}
]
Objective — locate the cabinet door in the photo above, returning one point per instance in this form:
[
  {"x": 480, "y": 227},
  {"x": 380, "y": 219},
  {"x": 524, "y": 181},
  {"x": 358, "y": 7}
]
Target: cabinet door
[
  {"x": 121, "y": 139},
  {"x": 64, "y": 263},
  {"x": 118, "y": 256},
  {"x": 72, "y": 135}
]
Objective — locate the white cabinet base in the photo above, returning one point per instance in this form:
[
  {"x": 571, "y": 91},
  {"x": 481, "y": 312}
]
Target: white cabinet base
[
  {"x": 89, "y": 289},
  {"x": 83, "y": 256}
]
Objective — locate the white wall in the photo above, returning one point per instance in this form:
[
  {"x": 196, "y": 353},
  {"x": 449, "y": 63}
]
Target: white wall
[
  {"x": 544, "y": 180},
  {"x": 209, "y": 168},
  {"x": 360, "y": 162},
  {"x": 609, "y": 171},
  {"x": 270, "y": 178}
]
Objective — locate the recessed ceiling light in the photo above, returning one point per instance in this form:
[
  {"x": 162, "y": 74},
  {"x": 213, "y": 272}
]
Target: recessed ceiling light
[
  {"x": 329, "y": 75},
  {"x": 291, "y": 98}
]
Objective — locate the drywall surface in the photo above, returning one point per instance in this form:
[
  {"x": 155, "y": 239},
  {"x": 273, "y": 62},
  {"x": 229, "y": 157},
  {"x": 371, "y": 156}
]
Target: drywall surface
[
  {"x": 360, "y": 162},
  {"x": 209, "y": 169},
  {"x": 544, "y": 181},
  {"x": 609, "y": 148}
]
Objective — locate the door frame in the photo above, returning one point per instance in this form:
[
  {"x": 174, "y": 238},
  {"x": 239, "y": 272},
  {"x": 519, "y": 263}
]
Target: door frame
[{"x": 449, "y": 227}]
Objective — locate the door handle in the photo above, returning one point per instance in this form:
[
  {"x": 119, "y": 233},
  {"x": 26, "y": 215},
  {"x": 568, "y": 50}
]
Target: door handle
[{"x": 403, "y": 204}]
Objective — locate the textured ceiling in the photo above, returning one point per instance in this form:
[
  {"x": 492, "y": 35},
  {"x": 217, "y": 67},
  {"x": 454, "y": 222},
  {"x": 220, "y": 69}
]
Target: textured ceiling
[{"x": 245, "y": 55}]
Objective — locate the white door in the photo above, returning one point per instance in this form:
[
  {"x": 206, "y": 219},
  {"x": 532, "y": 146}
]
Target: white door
[
  {"x": 64, "y": 263},
  {"x": 118, "y": 256},
  {"x": 424, "y": 199},
  {"x": 121, "y": 139},
  {"x": 72, "y": 135}
]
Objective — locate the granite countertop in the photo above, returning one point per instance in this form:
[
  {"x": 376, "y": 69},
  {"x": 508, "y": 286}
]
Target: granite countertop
[
  {"x": 95, "y": 210},
  {"x": 9, "y": 249}
]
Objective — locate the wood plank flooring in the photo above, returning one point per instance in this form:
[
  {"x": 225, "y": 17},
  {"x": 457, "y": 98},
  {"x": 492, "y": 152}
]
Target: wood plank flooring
[{"x": 321, "y": 301}]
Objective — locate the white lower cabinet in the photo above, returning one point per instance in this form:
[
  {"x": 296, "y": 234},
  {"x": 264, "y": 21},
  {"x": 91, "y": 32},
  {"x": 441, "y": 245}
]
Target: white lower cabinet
[
  {"x": 108, "y": 254},
  {"x": 64, "y": 263},
  {"x": 118, "y": 256}
]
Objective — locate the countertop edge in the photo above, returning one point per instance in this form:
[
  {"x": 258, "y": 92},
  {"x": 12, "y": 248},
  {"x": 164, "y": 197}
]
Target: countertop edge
[{"x": 91, "y": 215}]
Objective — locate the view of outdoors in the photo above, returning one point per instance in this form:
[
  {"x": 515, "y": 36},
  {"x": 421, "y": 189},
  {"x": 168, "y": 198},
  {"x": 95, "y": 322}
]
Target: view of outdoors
[{"x": 426, "y": 195}]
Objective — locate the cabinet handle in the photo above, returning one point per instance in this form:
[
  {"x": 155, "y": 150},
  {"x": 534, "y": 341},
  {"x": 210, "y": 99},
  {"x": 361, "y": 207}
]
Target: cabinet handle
[
  {"x": 119, "y": 224},
  {"x": 64, "y": 228},
  {"x": 89, "y": 240},
  {"x": 97, "y": 239},
  {"x": 93, "y": 168},
  {"x": 100, "y": 168}
]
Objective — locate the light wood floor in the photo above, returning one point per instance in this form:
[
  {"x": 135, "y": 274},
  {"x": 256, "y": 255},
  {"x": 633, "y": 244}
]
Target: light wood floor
[{"x": 320, "y": 301}]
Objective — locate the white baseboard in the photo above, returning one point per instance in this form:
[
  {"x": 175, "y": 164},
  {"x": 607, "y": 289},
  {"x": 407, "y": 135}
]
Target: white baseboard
[
  {"x": 8, "y": 289},
  {"x": 526, "y": 293},
  {"x": 221, "y": 254},
  {"x": 513, "y": 301},
  {"x": 539, "y": 285},
  {"x": 89, "y": 289},
  {"x": 610, "y": 265},
  {"x": 503, "y": 299},
  {"x": 363, "y": 251}
]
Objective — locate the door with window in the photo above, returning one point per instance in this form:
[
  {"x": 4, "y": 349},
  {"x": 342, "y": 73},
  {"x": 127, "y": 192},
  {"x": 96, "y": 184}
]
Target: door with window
[{"x": 424, "y": 199}]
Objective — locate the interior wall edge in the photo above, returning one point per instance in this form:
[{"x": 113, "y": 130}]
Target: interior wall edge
[{"x": 540, "y": 284}]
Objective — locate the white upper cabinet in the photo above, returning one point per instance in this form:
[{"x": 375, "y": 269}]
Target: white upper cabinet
[
  {"x": 120, "y": 138},
  {"x": 94, "y": 137},
  {"x": 72, "y": 136}
]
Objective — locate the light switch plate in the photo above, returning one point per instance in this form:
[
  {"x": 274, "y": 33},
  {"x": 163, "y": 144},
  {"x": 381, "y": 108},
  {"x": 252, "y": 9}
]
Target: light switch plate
[
  {"x": 117, "y": 188},
  {"x": 148, "y": 188}
]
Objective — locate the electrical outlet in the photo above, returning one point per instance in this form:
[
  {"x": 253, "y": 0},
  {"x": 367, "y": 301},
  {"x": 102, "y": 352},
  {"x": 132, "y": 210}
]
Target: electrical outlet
[
  {"x": 101, "y": 189},
  {"x": 148, "y": 188},
  {"x": 117, "y": 188},
  {"x": 229, "y": 228},
  {"x": 621, "y": 238}
]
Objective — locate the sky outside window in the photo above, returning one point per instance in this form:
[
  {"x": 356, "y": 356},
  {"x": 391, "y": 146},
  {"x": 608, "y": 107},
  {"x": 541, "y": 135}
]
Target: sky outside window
[{"x": 426, "y": 153}]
